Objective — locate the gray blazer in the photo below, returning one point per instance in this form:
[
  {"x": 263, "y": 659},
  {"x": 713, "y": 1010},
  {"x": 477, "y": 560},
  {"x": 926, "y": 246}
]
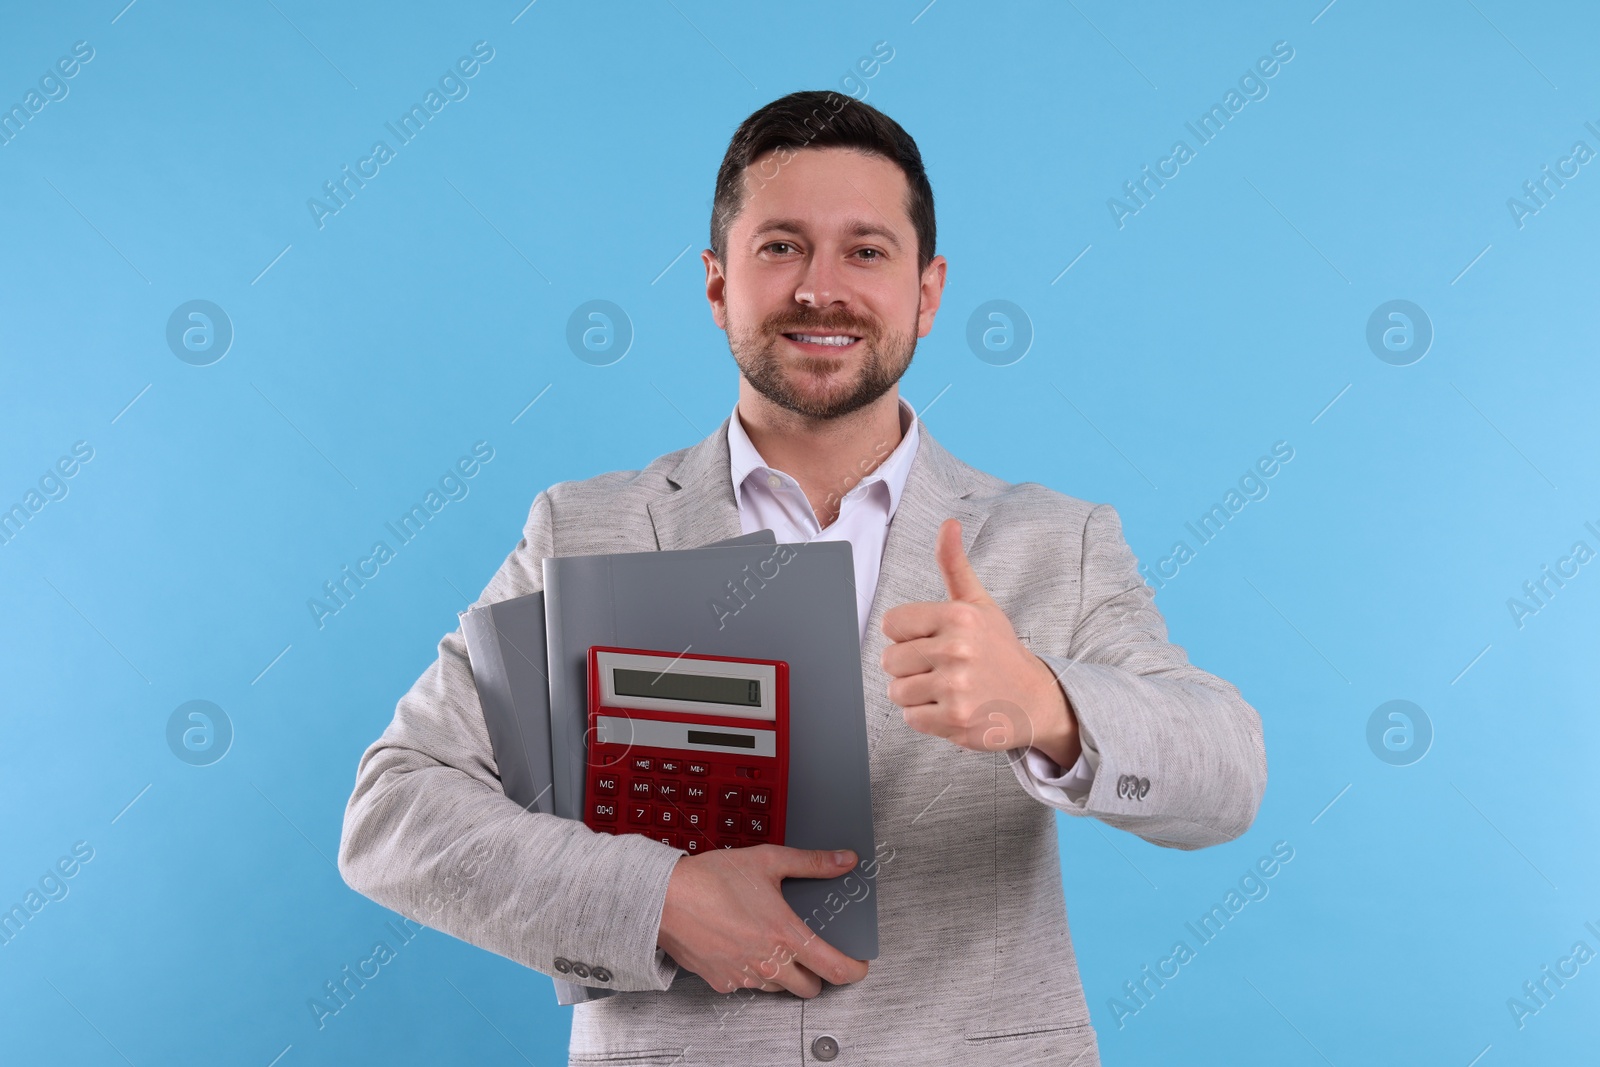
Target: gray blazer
[{"x": 976, "y": 963}]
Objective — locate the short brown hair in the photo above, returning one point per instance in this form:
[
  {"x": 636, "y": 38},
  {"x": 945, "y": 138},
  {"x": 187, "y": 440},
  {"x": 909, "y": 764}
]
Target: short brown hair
[{"x": 822, "y": 120}]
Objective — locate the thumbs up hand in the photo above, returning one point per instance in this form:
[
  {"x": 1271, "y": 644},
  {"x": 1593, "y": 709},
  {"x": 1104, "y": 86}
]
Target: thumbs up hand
[{"x": 958, "y": 670}]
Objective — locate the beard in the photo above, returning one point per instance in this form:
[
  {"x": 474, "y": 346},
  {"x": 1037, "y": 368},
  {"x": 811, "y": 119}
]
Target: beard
[{"x": 819, "y": 387}]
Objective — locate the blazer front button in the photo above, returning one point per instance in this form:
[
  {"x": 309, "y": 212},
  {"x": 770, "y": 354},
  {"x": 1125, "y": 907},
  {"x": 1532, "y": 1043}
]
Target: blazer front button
[
  {"x": 825, "y": 1048},
  {"x": 581, "y": 970},
  {"x": 563, "y": 965},
  {"x": 601, "y": 974}
]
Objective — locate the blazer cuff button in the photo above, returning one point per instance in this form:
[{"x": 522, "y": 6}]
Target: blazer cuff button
[
  {"x": 563, "y": 965},
  {"x": 825, "y": 1048},
  {"x": 581, "y": 970},
  {"x": 601, "y": 974}
]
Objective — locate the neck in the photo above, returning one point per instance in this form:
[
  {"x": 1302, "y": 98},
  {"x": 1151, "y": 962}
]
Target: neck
[{"x": 828, "y": 457}]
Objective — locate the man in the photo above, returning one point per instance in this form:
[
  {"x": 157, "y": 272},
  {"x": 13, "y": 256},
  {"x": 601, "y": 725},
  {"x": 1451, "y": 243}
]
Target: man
[{"x": 1013, "y": 660}]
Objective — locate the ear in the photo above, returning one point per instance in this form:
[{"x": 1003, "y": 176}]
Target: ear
[
  {"x": 932, "y": 290},
  {"x": 716, "y": 289}
]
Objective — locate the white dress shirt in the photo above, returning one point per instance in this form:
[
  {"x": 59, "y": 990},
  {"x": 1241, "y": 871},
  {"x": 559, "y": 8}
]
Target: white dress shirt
[{"x": 769, "y": 499}]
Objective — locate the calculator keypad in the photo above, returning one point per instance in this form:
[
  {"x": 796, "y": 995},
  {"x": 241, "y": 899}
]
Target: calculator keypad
[{"x": 692, "y": 804}]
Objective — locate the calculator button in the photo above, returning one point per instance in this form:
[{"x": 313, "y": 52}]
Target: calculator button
[
  {"x": 670, "y": 766},
  {"x": 604, "y": 810},
  {"x": 696, "y": 820},
  {"x": 728, "y": 824},
  {"x": 727, "y": 842},
  {"x": 666, "y": 817},
  {"x": 666, "y": 790},
  {"x": 640, "y": 788},
  {"x": 639, "y": 814},
  {"x": 606, "y": 785},
  {"x": 699, "y": 769},
  {"x": 694, "y": 843},
  {"x": 695, "y": 793},
  {"x": 758, "y": 798},
  {"x": 667, "y": 839},
  {"x": 641, "y": 763},
  {"x": 756, "y": 825},
  {"x": 731, "y": 796}
]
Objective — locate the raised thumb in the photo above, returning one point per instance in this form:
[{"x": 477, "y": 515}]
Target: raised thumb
[{"x": 960, "y": 580}]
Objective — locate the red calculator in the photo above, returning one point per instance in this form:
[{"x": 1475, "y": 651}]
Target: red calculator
[{"x": 692, "y": 750}]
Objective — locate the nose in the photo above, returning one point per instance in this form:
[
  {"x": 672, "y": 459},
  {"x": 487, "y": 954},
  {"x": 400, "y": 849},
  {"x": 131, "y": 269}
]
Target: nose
[{"x": 822, "y": 285}]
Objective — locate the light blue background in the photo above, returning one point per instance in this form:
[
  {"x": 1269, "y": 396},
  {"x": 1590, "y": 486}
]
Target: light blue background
[{"x": 1227, "y": 315}]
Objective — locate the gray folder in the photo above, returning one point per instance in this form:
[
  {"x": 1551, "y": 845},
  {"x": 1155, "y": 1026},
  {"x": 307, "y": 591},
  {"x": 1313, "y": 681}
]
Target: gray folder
[
  {"x": 507, "y": 650},
  {"x": 792, "y": 602}
]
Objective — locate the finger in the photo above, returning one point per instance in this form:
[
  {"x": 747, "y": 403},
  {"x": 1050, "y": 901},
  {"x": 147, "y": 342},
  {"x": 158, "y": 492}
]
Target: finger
[
  {"x": 799, "y": 980},
  {"x": 929, "y": 719},
  {"x": 960, "y": 580},
  {"x": 905, "y": 658},
  {"x": 909, "y": 621},
  {"x": 916, "y": 689},
  {"x": 786, "y": 862},
  {"x": 825, "y": 962}
]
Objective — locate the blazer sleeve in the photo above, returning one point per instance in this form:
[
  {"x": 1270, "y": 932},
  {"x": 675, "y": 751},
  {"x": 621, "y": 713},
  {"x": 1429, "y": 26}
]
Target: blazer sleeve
[
  {"x": 1177, "y": 753},
  {"x": 430, "y": 833}
]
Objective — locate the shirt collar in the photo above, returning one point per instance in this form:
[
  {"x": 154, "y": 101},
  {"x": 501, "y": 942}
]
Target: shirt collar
[{"x": 744, "y": 460}]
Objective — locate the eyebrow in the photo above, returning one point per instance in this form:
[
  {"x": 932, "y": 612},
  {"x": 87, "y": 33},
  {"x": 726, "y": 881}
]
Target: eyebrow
[{"x": 855, "y": 228}]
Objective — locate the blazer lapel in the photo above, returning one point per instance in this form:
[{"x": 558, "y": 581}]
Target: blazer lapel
[
  {"x": 703, "y": 510},
  {"x": 937, "y": 488}
]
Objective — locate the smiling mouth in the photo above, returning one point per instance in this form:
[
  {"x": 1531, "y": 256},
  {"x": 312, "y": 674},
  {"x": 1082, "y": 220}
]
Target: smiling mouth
[{"x": 830, "y": 341}]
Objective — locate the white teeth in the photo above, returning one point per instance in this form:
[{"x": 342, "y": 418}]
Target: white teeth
[{"x": 838, "y": 340}]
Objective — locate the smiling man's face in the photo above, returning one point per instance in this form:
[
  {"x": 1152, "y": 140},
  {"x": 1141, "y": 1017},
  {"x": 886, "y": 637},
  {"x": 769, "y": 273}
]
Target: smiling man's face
[{"x": 819, "y": 289}]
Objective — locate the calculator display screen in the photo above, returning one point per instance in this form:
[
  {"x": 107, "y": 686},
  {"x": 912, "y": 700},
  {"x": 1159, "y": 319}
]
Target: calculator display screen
[{"x": 673, "y": 685}]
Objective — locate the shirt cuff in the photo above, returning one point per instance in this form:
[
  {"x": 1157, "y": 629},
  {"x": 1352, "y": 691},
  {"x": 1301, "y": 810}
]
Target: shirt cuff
[{"x": 1075, "y": 783}]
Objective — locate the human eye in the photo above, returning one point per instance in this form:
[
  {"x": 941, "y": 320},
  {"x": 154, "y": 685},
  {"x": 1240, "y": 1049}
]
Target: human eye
[
  {"x": 869, "y": 255},
  {"x": 779, "y": 247}
]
